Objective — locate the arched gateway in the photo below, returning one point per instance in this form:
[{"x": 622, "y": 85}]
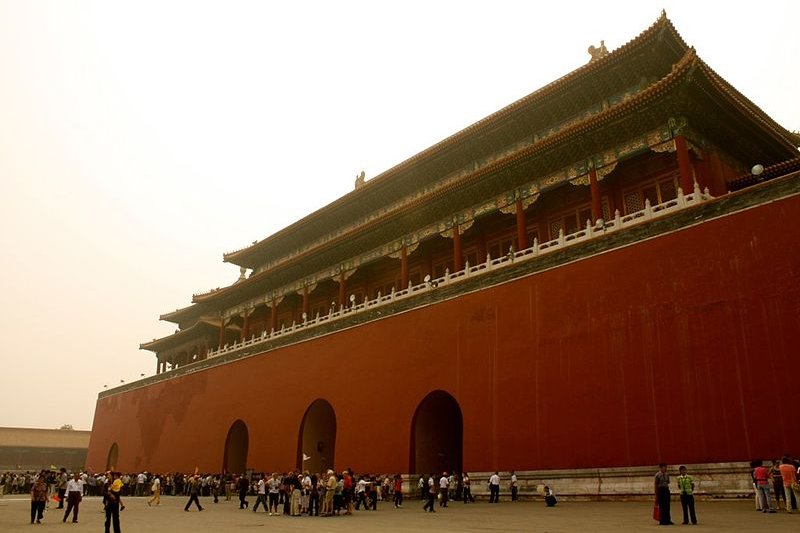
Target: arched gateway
[
  {"x": 234, "y": 458},
  {"x": 437, "y": 435},
  {"x": 316, "y": 444},
  {"x": 113, "y": 457}
]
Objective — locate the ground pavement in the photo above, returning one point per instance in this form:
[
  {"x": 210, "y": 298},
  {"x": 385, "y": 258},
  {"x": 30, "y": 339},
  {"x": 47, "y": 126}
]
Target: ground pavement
[{"x": 505, "y": 516}]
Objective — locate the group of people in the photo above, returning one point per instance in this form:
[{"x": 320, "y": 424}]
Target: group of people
[
  {"x": 458, "y": 486},
  {"x": 73, "y": 491},
  {"x": 313, "y": 494},
  {"x": 780, "y": 480}
]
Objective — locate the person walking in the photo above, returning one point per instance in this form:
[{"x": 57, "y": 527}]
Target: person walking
[
  {"x": 243, "y": 485},
  {"x": 431, "y": 495},
  {"x": 38, "y": 499},
  {"x": 156, "y": 488},
  {"x": 686, "y": 488},
  {"x": 74, "y": 496},
  {"x": 194, "y": 491},
  {"x": 398, "y": 491},
  {"x": 261, "y": 499},
  {"x": 467, "y": 489},
  {"x": 661, "y": 489}
]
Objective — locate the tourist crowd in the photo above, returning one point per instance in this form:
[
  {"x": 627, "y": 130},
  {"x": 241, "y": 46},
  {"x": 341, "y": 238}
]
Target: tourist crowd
[{"x": 297, "y": 493}]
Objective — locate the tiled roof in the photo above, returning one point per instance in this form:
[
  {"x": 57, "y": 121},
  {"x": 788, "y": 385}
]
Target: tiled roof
[
  {"x": 662, "y": 31},
  {"x": 681, "y": 69},
  {"x": 687, "y": 72},
  {"x": 769, "y": 173},
  {"x": 198, "y": 328}
]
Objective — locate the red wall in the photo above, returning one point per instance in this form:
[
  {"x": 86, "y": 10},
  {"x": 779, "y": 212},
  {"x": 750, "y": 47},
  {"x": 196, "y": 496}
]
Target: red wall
[{"x": 678, "y": 349}]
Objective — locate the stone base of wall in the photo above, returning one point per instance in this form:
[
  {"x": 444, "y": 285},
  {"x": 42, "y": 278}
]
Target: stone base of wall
[{"x": 711, "y": 480}]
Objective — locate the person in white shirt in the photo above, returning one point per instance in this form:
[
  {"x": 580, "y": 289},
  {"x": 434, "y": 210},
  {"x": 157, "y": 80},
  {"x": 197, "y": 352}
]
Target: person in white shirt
[
  {"x": 513, "y": 486},
  {"x": 262, "y": 495},
  {"x": 274, "y": 490},
  {"x": 361, "y": 493},
  {"x": 443, "y": 486},
  {"x": 140, "y": 479},
  {"x": 306, "y": 488},
  {"x": 467, "y": 484},
  {"x": 494, "y": 488},
  {"x": 74, "y": 496}
]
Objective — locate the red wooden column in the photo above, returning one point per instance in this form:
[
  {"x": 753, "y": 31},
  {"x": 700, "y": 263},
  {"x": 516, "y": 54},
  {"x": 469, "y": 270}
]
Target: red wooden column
[
  {"x": 245, "y": 325},
  {"x": 481, "y": 248},
  {"x": 305, "y": 302},
  {"x": 684, "y": 166},
  {"x": 342, "y": 303},
  {"x": 222, "y": 333},
  {"x": 403, "y": 268},
  {"x": 273, "y": 318},
  {"x": 457, "y": 254},
  {"x": 597, "y": 208},
  {"x": 522, "y": 238}
]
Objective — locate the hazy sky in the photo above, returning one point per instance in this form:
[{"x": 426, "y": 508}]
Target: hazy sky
[{"x": 139, "y": 141}]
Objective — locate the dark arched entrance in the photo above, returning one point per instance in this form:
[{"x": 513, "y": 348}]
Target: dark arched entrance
[
  {"x": 235, "y": 455},
  {"x": 437, "y": 434},
  {"x": 317, "y": 441},
  {"x": 113, "y": 457}
]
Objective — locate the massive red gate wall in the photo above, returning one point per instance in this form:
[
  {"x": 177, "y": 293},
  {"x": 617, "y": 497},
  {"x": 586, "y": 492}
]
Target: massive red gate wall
[{"x": 677, "y": 349}]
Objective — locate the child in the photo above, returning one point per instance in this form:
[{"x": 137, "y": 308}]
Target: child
[{"x": 686, "y": 487}]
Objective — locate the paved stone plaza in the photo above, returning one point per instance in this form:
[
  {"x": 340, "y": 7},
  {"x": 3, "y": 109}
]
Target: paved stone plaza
[{"x": 521, "y": 516}]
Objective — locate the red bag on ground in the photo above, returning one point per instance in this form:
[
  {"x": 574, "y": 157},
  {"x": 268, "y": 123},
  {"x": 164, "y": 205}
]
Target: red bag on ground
[{"x": 656, "y": 512}]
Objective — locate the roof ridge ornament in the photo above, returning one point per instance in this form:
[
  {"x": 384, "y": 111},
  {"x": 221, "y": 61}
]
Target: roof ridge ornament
[
  {"x": 597, "y": 52},
  {"x": 360, "y": 180}
]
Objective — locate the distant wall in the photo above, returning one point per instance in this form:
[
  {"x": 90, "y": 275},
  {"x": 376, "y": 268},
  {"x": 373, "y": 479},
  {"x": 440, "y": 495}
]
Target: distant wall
[{"x": 34, "y": 449}]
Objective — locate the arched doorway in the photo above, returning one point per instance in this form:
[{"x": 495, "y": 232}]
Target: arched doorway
[
  {"x": 235, "y": 455},
  {"x": 437, "y": 435},
  {"x": 113, "y": 456},
  {"x": 317, "y": 441}
]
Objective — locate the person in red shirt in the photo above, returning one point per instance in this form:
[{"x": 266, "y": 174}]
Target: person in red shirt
[
  {"x": 762, "y": 476},
  {"x": 790, "y": 485},
  {"x": 398, "y": 491},
  {"x": 347, "y": 490},
  {"x": 38, "y": 499}
]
